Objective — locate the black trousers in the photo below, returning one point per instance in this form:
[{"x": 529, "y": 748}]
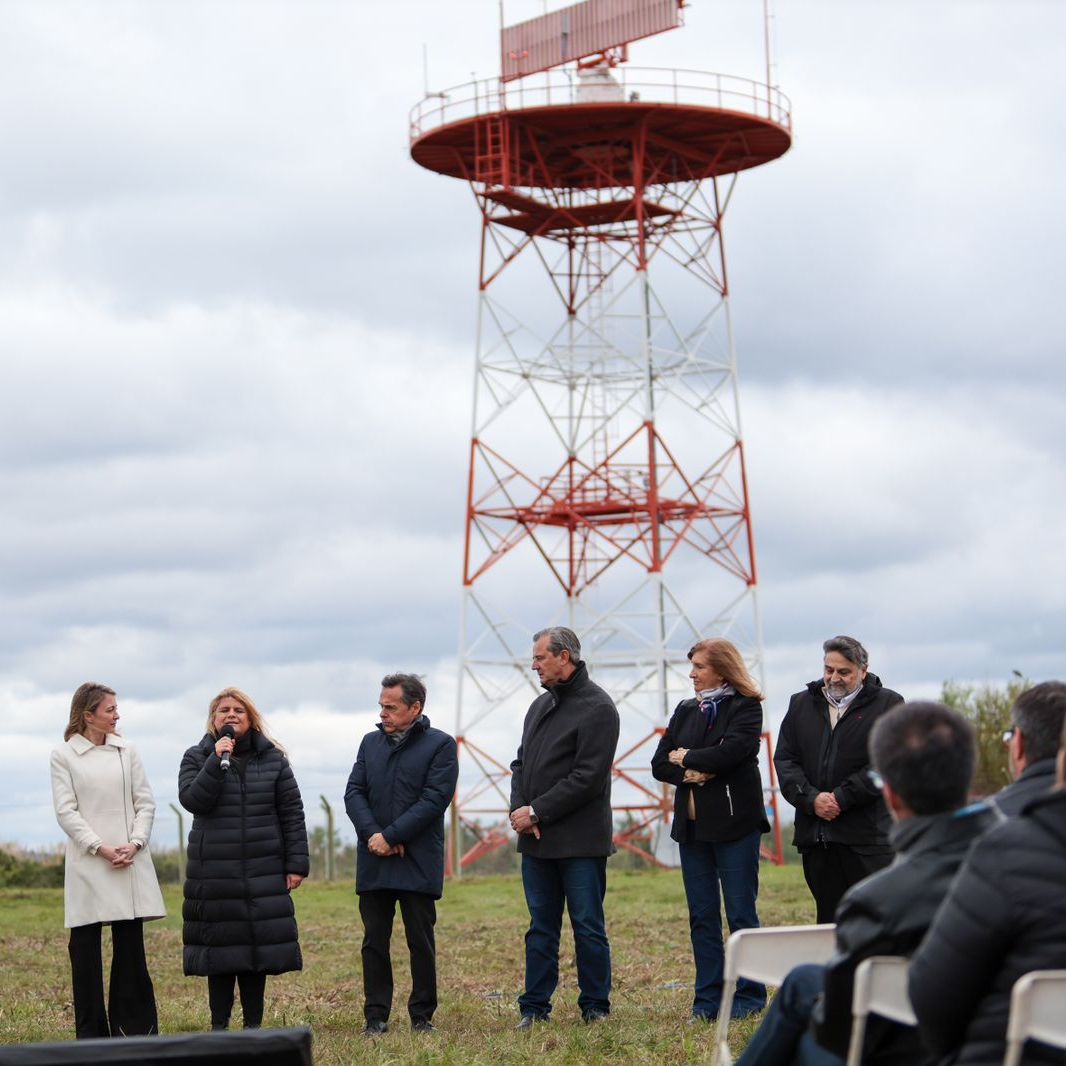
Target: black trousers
[
  {"x": 220, "y": 998},
  {"x": 419, "y": 913},
  {"x": 831, "y": 869},
  {"x": 130, "y": 999}
]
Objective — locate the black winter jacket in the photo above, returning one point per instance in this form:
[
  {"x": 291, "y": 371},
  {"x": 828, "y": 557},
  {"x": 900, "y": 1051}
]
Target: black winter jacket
[
  {"x": 1004, "y": 917},
  {"x": 402, "y": 791},
  {"x": 811, "y": 757},
  {"x": 888, "y": 914},
  {"x": 730, "y": 805},
  {"x": 563, "y": 768},
  {"x": 247, "y": 833},
  {"x": 1035, "y": 781}
]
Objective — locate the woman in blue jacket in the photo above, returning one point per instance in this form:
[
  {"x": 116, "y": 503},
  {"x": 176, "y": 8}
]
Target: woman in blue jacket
[{"x": 710, "y": 754}]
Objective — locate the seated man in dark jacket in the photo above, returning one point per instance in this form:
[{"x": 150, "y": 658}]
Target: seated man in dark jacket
[
  {"x": 1004, "y": 917},
  {"x": 1037, "y": 719},
  {"x": 925, "y": 755}
]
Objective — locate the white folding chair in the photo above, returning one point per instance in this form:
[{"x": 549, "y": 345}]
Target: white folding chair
[
  {"x": 1037, "y": 1010},
  {"x": 880, "y": 988},
  {"x": 766, "y": 955}
]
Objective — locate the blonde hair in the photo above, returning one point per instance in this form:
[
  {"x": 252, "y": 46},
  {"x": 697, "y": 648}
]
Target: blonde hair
[
  {"x": 84, "y": 701},
  {"x": 726, "y": 660},
  {"x": 255, "y": 719}
]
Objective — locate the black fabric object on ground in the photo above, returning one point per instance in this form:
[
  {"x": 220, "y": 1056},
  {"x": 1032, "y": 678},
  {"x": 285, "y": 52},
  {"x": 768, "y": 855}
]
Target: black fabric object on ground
[{"x": 256, "y": 1047}]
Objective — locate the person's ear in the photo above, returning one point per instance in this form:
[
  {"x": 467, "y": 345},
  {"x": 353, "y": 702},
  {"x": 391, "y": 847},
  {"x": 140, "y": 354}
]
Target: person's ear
[
  {"x": 1017, "y": 745},
  {"x": 893, "y": 801}
]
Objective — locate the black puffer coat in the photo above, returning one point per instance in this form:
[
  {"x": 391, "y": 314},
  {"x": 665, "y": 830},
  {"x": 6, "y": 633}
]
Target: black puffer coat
[
  {"x": 247, "y": 833},
  {"x": 730, "y": 805},
  {"x": 1004, "y": 917},
  {"x": 888, "y": 914},
  {"x": 812, "y": 757}
]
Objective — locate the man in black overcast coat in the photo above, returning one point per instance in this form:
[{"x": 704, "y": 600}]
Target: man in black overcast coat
[
  {"x": 842, "y": 824},
  {"x": 561, "y": 810}
]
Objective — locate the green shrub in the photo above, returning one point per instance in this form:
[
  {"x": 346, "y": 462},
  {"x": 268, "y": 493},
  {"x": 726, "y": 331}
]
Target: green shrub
[{"x": 988, "y": 707}]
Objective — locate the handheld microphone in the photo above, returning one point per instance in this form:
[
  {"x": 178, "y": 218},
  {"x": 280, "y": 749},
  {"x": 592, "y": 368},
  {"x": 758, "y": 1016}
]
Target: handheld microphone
[{"x": 226, "y": 731}]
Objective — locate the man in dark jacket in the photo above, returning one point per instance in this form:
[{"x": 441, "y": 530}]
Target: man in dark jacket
[
  {"x": 925, "y": 754},
  {"x": 1004, "y": 917},
  {"x": 402, "y": 782},
  {"x": 841, "y": 827},
  {"x": 1038, "y": 717},
  {"x": 561, "y": 810}
]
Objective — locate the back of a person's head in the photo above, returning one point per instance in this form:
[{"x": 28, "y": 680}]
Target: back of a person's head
[
  {"x": 1040, "y": 713},
  {"x": 927, "y": 753}
]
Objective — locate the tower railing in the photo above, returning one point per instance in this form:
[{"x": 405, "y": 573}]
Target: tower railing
[{"x": 562, "y": 87}]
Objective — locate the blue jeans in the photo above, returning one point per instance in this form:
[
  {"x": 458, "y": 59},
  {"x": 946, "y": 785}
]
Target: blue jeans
[
  {"x": 736, "y": 866},
  {"x": 580, "y": 883},
  {"x": 783, "y": 1038}
]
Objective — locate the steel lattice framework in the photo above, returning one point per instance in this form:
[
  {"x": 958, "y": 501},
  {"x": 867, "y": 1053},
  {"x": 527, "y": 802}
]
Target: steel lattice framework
[{"x": 607, "y": 486}]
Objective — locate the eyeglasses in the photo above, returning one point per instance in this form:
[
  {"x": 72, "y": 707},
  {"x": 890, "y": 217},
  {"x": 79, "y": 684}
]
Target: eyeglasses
[{"x": 1009, "y": 735}]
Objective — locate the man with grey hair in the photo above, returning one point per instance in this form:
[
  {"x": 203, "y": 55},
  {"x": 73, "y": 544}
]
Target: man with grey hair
[
  {"x": 1038, "y": 716},
  {"x": 842, "y": 824},
  {"x": 561, "y": 810}
]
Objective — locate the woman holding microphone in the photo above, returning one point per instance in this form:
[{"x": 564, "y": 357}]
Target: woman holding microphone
[
  {"x": 247, "y": 851},
  {"x": 105, "y": 806}
]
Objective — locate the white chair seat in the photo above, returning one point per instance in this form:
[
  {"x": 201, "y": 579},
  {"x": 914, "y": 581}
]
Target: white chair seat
[
  {"x": 880, "y": 988},
  {"x": 767, "y": 955},
  {"x": 1037, "y": 1011}
]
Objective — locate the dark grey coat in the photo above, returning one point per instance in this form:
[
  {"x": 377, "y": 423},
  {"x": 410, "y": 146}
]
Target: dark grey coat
[
  {"x": 563, "y": 769},
  {"x": 888, "y": 914},
  {"x": 1004, "y": 917},
  {"x": 1034, "y": 781},
  {"x": 247, "y": 833}
]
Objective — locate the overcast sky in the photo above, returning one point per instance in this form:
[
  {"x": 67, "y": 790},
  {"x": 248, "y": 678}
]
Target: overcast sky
[{"x": 236, "y": 345}]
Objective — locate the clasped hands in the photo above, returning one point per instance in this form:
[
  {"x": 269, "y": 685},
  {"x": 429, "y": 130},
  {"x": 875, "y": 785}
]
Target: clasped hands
[
  {"x": 692, "y": 777},
  {"x": 522, "y": 821},
  {"x": 379, "y": 846},
  {"x": 120, "y": 856},
  {"x": 826, "y": 806}
]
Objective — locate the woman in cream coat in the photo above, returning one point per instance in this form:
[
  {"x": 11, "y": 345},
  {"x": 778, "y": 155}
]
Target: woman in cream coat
[{"x": 104, "y": 805}]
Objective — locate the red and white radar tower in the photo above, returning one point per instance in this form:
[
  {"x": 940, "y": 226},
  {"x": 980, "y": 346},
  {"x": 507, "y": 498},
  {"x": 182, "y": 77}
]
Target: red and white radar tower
[{"x": 607, "y": 488}]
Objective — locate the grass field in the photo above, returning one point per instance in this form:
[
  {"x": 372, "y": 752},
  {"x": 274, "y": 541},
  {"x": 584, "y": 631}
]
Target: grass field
[{"x": 479, "y": 951}]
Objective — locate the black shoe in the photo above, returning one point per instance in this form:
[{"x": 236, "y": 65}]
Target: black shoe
[
  {"x": 374, "y": 1027},
  {"x": 590, "y": 1017},
  {"x": 219, "y": 1027},
  {"x": 422, "y": 1025},
  {"x": 702, "y": 1019},
  {"x": 529, "y": 1020}
]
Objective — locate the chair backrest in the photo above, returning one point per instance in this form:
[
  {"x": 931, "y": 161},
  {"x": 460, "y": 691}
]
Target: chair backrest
[
  {"x": 767, "y": 955},
  {"x": 1037, "y": 1010},
  {"x": 880, "y": 987}
]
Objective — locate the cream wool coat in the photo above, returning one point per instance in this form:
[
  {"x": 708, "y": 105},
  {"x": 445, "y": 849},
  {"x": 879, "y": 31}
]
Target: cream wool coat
[{"x": 102, "y": 797}]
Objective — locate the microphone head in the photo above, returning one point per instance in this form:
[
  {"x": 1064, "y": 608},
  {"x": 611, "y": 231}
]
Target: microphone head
[{"x": 226, "y": 731}]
